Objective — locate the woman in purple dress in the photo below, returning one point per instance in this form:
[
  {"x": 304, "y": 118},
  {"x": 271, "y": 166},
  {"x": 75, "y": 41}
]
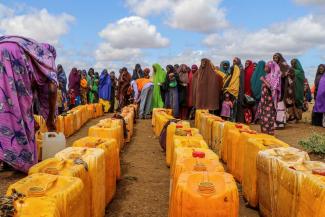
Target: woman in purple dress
[{"x": 27, "y": 75}]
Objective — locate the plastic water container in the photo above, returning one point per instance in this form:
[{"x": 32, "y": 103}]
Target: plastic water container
[{"x": 52, "y": 144}]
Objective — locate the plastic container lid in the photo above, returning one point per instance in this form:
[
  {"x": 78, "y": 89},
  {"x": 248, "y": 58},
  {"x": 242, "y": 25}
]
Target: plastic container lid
[{"x": 198, "y": 154}]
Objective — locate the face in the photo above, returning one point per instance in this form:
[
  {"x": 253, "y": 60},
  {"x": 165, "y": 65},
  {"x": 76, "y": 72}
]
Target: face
[
  {"x": 225, "y": 66},
  {"x": 267, "y": 68},
  {"x": 235, "y": 61},
  {"x": 203, "y": 64},
  {"x": 276, "y": 58},
  {"x": 293, "y": 63},
  {"x": 246, "y": 64},
  {"x": 321, "y": 69},
  {"x": 255, "y": 65}
]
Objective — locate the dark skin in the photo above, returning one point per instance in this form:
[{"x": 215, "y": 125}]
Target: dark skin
[
  {"x": 321, "y": 69},
  {"x": 235, "y": 61},
  {"x": 50, "y": 122},
  {"x": 226, "y": 67},
  {"x": 276, "y": 59}
]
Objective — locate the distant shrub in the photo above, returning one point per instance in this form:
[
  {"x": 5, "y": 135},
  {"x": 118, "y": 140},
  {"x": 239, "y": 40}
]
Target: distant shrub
[{"x": 314, "y": 144}]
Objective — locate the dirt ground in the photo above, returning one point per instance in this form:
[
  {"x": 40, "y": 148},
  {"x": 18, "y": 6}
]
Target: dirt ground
[{"x": 143, "y": 190}]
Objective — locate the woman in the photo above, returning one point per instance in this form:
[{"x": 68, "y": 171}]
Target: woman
[
  {"x": 74, "y": 87},
  {"x": 207, "y": 79},
  {"x": 239, "y": 108},
  {"x": 225, "y": 67},
  {"x": 93, "y": 87},
  {"x": 137, "y": 72},
  {"x": 145, "y": 90},
  {"x": 183, "y": 74},
  {"x": 171, "y": 87},
  {"x": 105, "y": 89},
  {"x": 27, "y": 73},
  {"x": 190, "y": 103},
  {"x": 62, "y": 79},
  {"x": 84, "y": 88},
  {"x": 318, "y": 111},
  {"x": 124, "y": 83},
  {"x": 159, "y": 78},
  {"x": 256, "y": 83},
  {"x": 271, "y": 91},
  {"x": 281, "y": 108},
  {"x": 113, "y": 90},
  {"x": 299, "y": 84},
  {"x": 249, "y": 70}
]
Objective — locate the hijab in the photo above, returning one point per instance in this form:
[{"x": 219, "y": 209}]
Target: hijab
[
  {"x": 223, "y": 69},
  {"x": 191, "y": 74},
  {"x": 299, "y": 83},
  {"x": 249, "y": 70},
  {"x": 207, "y": 79},
  {"x": 232, "y": 82},
  {"x": 105, "y": 84},
  {"x": 137, "y": 72},
  {"x": 320, "y": 97},
  {"x": 319, "y": 75},
  {"x": 274, "y": 80},
  {"x": 256, "y": 83},
  {"x": 284, "y": 67},
  {"x": 62, "y": 78},
  {"x": 159, "y": 77},
  {"x": 74, "y": 81},
  {"x": 183, "y": 73}
]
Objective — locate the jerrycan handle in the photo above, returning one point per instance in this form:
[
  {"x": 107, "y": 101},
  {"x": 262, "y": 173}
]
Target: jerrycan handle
[{"x": 52, "y": 135}]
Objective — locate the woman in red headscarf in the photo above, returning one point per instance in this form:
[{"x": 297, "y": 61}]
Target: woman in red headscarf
[{"x": 249, "y": 70}]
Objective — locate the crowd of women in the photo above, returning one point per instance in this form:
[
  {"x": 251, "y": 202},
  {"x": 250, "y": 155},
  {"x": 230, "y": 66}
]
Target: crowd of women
[{"x": 271, "y": 93}]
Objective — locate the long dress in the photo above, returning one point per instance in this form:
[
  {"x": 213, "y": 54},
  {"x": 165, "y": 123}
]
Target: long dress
[
  {"x": 105, "y": 89},
  {"x": 319, "y": 107},
  {"x": 159, "y": 77},
  {"x": 25, "y": 66}
]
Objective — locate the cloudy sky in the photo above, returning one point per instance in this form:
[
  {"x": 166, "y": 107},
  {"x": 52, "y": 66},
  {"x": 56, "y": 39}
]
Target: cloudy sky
[{"x": 112, "y": 33}]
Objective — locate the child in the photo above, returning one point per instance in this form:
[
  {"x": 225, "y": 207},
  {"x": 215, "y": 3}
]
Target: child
[
  {"x": 84, "y": 89},
  {"x": 72, "y": 98},
  {"x": 226, "y": 107}
]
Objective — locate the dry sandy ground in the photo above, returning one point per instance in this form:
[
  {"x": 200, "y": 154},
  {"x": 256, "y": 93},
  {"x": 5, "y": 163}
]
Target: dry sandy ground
[{"x": 144, "y": 188}]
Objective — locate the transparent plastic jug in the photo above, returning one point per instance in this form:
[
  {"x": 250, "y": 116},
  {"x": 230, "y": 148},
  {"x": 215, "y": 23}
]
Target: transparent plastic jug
[{"x": 52, "y": 144}]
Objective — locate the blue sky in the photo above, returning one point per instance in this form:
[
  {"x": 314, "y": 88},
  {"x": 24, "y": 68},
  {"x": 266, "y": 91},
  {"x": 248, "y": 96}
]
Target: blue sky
[{"x": 109, "y": 34}]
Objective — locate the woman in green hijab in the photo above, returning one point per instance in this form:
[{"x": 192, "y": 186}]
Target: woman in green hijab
[
  {"x": 159, "y": 77},
  {"x": 299, "y": 87},
  {"x": 256, "y": 83}
]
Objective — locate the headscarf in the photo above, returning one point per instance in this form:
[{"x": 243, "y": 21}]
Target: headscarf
[
  {"x": 299, "y": 83},
  {"x": 183, "y": 73},
  {"x": 284, "y": 67},
  {"x": 105, "y": 85},
  {"x": 225, "y": 71},
  {"x": 159, "y": 77},
  {"x": 249, "y": 70},
  {"x": 124, "y": 82},
  {"x": 146, "y": 73},
  {"x": 191, "y": 85},
  {"x": 318, "y": 77},
  {"x": 232, "y": 82},
  {"x": 256, "y": 83},
  {"x": 320, "y": 98},
  {"x": 62, "y": 78},
  {"x": 273, "y": 79},
  {"x": 207, "y": 79},
  {"x": 74, "y": 81},
  {"x": 239, "y": 64},
  {"x": 137, "y": 72}
]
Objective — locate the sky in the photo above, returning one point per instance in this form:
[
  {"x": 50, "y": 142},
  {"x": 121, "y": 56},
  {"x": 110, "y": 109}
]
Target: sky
[{"x": 114, "y": 33}]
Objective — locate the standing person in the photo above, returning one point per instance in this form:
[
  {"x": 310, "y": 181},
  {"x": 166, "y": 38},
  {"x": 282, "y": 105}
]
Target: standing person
[
  {"x": 137, "y": 72},
  {"x": 226, "y": 107},
  {"x": 249, "y": 70},
  {"x": 183, "y": 85},
  {"x": 93, "y": 87},
  {"x": 124, "y": 83},
  {"x": 105, "y": 90},
  {"x": 271, "y": 91},
  {"x": 205, "y": 98},
  {"x": 62, "y": 79},
  {"x": 190, "y": 103},
  {"x": 256, "y": 84},
  {"x": 318, "y": 110},
  {"x": 84, "y": 88},
  {"x": 113, "y": 90},
  {"x": 96, "y": 83},
  {"x": 299, "y": 82},
  {"x": 27, "y": 74},
  {"x": 231, "y": 87},
  {"x": 159, "y": 78},
  {"x": 239, "y": 111},
  {"x": 171, "y": 86},
  {"x": 281, "y": 108},
  {"x": 74, "y": 87},
  {"x": 144, "y": 95}
]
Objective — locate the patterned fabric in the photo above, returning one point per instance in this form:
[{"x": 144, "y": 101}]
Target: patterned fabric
[
  {"x": 25, "y": 67},
  {"x": 266, "y": 112}
]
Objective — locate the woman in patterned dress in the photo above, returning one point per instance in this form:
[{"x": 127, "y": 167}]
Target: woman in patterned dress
[{"x": 271, "y": 91}]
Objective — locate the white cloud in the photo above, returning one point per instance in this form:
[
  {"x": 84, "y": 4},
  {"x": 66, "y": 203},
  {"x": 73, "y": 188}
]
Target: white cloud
[
  {"x": 292, "y": 38},
  {"x": 133, "y": 32},
  {"x": 37, "y": 24},
  {"x": 124, "y": 41},
  {"x": 310, "y": 2},
  {"x": 147, "y": 7},
  {"x": 192, "y": 15},
  {"x": 198, "y": 15}
]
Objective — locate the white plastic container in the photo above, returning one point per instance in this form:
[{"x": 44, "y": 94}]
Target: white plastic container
[{"x": 52, "y": 143}]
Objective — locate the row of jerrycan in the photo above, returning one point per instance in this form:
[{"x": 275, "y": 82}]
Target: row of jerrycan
[
  {"x": 78, "y": 181},
  {"x": 49, "y": 143},
  {"x": 198, "y": 184},
  {"x": 273, "y": 175}
]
